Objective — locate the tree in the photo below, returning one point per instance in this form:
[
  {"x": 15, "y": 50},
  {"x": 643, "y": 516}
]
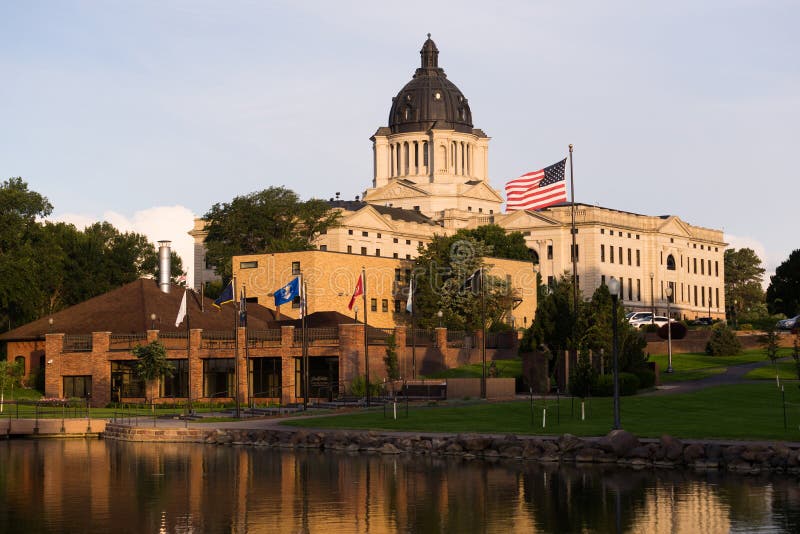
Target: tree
[
  {"x": 723, "y": 341},
  {"x": 271, "y": 220},
  {"x": 152, "y": 362},
  {"x": 743, "y": 277},
  {"x": 390, "y": 360},
  {"x": 783, "y": 293},
  {"x": 10, "y": 376},
  {"x": 770, "y": 340},
  {"x": 442, "y": 281},
  {"x": 503, "y": 245}
]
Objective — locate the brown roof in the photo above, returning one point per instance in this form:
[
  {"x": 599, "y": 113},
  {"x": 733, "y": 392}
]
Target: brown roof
[
  {"x": 127, "y": 309},
  {"x": 320, "y": 319}
]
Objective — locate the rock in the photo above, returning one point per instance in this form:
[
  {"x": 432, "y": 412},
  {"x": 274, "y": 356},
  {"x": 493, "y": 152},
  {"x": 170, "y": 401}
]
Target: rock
[
  {"x": 474, "y": 443},
  {"x": 670, "y": 448},
  {"x": 713, "y": 451},
  {"x": 693, "y": 452},
  {"x": 388, "y": 448},
  {"x": 732, "y": 454},
  {"x": 569, "y": 443},
  {"x": 512, "y": 452},
  {"x": 589, "y": 455},
  {"x": 454, "y": 448},
  {"x": 352, "y": 448},
  {"x": 620, "y": 442},
  {"x": 642, "y": 452}
]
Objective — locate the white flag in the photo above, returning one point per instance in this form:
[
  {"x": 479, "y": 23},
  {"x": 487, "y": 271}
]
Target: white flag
[
  {"x": 410, "y": 301},
  {"x": 181, "y": 310}
]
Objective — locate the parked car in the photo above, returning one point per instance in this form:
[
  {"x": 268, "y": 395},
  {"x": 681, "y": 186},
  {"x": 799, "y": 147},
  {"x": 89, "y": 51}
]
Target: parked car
[
  {"x": 638, "y": 316},
  {"x": 658, "y": 320},
  {"x": 787, "y": 324},
  {"x": 703, "y": 321}
]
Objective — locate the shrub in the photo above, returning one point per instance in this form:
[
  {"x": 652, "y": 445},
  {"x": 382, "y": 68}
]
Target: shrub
[
  {"x": 650, "y": 328},
  {"x": 628, "y": 385},
  {"x": 723, "y": 341},
  {"x": 678, "y": 330},
  {"x": 745, "y": 326},
  {"x": 583, "y": 377},
  {"x": 647, "y": 378},
  {"x": 358, "y": 387}
]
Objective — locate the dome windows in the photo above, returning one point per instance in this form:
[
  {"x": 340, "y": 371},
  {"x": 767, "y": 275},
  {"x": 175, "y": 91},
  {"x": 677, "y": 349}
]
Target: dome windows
[{"x": 437, "y": 95}]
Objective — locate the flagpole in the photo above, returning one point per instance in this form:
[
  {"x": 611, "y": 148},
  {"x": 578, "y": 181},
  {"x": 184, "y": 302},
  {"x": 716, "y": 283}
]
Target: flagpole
[
  {"x": 188, "y": 361},
  {"x": 366, "y": 344},
  {"x": 413, "y": 330},
  {"x": 573, "y": 231},
  {"x": 243, "y": 318},
  {"x": 304, "y": 352},
  {"x": 236, "y": 345},
  {"x": 483, "y": 341}
]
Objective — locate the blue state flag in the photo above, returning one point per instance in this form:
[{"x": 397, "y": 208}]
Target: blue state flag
[
  {"x": 288, "y": 292},
  {"x": 226, "y": 296}
]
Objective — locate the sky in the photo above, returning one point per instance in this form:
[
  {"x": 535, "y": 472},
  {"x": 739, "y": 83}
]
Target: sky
[{"x": 147, "y": 113}]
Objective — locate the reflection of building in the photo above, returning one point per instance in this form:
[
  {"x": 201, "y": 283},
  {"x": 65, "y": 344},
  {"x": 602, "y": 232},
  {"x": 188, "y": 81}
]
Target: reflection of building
[{"x": 431, "y": 176}]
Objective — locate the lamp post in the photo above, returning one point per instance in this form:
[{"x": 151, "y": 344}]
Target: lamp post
[
  {"x": 669, "y": 328},
  {"x": 652, "y": 300},
  {"x": 439, "y": 315},
  {"x": 613, "y": 288},
  {"x": 355, "y": 309},
  {"x": 152, "y": 321},
  {"x": 735, "y": 302}
]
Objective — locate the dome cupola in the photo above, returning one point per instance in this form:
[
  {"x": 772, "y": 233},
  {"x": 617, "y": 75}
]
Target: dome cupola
[{"x": 430, "y": 100}]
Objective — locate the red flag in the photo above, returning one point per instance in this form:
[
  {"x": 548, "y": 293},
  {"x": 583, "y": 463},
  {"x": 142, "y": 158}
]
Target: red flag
[{"x": 359, "y": 291}]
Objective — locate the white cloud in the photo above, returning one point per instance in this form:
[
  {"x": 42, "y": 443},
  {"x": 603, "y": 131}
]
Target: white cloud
[
  {"x": 158, "y": 223},
  {"x": 769, "y": 259}
]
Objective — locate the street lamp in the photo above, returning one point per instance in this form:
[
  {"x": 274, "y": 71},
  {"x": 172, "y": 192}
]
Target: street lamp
[
  {"x": 49, "y": 324},
  {"x": 152, "y": 321},
  {"x": 735, "y": 302},
  {"x": 669, "y": 328},
  {"x": 439, "y": 315},
  {"x": 652, "y": 301},
  {"x": 613, "y": 288},
  {"x": 355, "y": 309}
]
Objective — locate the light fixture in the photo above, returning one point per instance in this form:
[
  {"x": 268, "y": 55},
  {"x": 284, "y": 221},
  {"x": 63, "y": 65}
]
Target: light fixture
[
  {"x": 613, "y": 287},
  {"x": 439, "y": 315},
  {"x": 668, "y": 292}
]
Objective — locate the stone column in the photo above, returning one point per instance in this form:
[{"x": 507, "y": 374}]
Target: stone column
[
  {"x": 403, "y": 352},
  {"x": 195, "y": 364},
  {"x": 351, "y": 352},
  {"x": 287, "y": 365},
  {"x": 53, "y": 356},
  {"x": 101, "y": 368},
  {"x": 241, "y": 362},
  {"x": 440, "y": 334}
]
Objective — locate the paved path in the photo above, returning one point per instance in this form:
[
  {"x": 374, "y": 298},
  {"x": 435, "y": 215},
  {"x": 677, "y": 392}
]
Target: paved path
[{"x": 734, "y": 374}]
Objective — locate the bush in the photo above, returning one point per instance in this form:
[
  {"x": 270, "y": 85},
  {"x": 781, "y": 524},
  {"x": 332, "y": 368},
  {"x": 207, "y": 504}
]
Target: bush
[
  {"x": 745, "y": 326},
  {"x": 583, "y": 377},
  {"x": 650, "y": 328},
  {"x": 628, "y": 385},
  {"x": 723, "y": 341},
  {"x": 358, "y": 387},
  {"x": 647, "y": 378},
  {"x": 678, "y": 330}
]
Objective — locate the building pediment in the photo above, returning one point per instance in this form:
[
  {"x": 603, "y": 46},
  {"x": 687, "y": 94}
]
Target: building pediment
[
  {"x": 674, "y": 226},
  {"x": 523, "y": 220},
  {"x": 367, "y": 217},
  {"x": 394, "y": 190},
  {"x": 482, "y": 191}
]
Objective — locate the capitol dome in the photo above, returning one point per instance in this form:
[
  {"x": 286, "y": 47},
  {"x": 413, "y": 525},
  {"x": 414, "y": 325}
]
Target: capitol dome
[{"x": 430, "y": 100}]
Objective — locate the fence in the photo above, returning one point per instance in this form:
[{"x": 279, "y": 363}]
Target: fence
[
  {"x": 78, "y": 343},
  {"x": 173, "y": 340},
  {"x": 218, "y": 340},
  {"x": 420, "y": 337},
  {"x": 45, "y": 409},
  {"x": 126, "y": 342},
  {"x": 459, "y": 339},
  {"x": 264, "y": 338},
  {"x": 317, "y": 336},
  {"x": 378, "y": 336}
]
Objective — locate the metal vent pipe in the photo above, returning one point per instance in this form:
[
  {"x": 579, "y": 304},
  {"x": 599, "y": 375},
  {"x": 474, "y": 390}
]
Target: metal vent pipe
[{"x": 164, "y": 265}]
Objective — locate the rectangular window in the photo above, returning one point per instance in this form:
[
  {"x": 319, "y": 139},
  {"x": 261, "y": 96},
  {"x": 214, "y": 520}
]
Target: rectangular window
[
  {"x": 621, "y": 288},
  {"x": 349, "y": 249},
  {"x": 695, "y": 265},
  {"x": 385, "y": 305},
  {"x": 630, "y": 288},
  {"x": 296, "y": 303},
  {"x": 710, "y": 302},
  {"x": 549, "y": 252},
  {"x": 248, "y": 264},
  {"x": 265, "y": 377},
  {"x": 176, "y": 385},
  {"x": 379, "y": 235},
  {"x": 639, "y": 289},
  {"x": 602, "y": 279},
  {"x": 416, "y": 208},
  {"x": 550, "y": 282},
  {"x": 394, "y": 255},
  {"x": 408, "y": 256},
  {"x": 323, "y": 248},
  {"x": 695, "y": 295},
  {"x": 398, "y": 306},
  {"x": 408, "y": 275},
  {"x": 662, "y": 257},
  {"x": 373, "y": 305},
  {"x": 350, "y": 232},
  {"x": 629, "y": 257},
  {"x": 611, "y": 251},
  {"x": 703, "y": 296},
  {"x": 602, "y": 253},
  {"x": 716, "y": 269},
  {"x": 717, "y": 295},
  {"x": 702, "y": 266},
  {"x": 638, "y": 258},
  {"x": 78, "y": 386},
  {"x": 218, "y": 377},
  {"x": 602, "y": 230},
  {"x": 709, "y": 267},
  {"x": 394, "y": 240},
  {"x": 363, "y": 251},
  {"x": 377, "y": 252},
  {"x": 124, "y": 382},
  {"x": 364, "y": 234},
  {"x": 295, "y": 267},
  {"x": 397, "y": 275},
  {"x": 408, "y": 241},
  {"x": 620, "y": 255}
]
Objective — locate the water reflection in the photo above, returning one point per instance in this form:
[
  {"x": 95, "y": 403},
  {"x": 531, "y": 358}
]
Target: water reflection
[{"x": 82, "y": 486}]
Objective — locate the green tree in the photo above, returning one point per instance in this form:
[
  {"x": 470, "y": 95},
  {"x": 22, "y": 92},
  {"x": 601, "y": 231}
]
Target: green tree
[
  {"x": 723, "y": 341},
  {"x": 783, "y": 293},
  {"x": 10, "y": 376},
  {"x": 503, "y": 245},
  {"x": 770, "y": 341},
  {"x": 152, "y": 362},
  {"x": 441, "y": 273},
  {"x": 743, "y": 277},
  {"x": 390, "y": 360},
  {"x": 272, "y": 220}
]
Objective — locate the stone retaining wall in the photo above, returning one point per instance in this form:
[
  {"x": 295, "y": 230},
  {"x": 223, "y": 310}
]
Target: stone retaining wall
[{"x": 618, "y": 447}]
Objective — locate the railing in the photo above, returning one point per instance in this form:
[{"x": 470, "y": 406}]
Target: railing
[
  {"x": 218, "y": 340},
  {"x": 125, "y": 342},
  {"x": 78, "y": 343},
  {"x": 174, "y": 340},
  {"x": 317, "y": 336},
  {"x": 264, "y": 338},
  {"x": 45, "y": 409},
  {"x": 459, "y": 339},
  {"x": 501, "y": 340},
  {"x": 378, "y": 336},
  {"x": 420, "y": 337}
]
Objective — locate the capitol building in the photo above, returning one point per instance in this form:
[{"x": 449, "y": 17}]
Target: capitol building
[{"x": 431, "y": 177}]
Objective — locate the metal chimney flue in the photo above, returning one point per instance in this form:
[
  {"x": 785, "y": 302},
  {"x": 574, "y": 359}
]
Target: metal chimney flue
[{"x": 164, "y": 265}]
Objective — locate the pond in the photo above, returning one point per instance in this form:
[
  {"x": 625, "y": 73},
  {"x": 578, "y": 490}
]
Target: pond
[{"x": 120, "y": 487}]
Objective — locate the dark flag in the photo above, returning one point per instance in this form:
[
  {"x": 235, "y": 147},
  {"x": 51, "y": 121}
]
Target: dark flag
[{"x": 226, "y": 296}]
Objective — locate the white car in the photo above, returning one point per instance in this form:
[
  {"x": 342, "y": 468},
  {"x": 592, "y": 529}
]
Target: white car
[
  {"x": 658, "y": 320},
  {"x": 638, "y": 316}
]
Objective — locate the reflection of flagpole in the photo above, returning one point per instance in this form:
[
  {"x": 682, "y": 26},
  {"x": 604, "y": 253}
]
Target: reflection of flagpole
[{"x": 366, "y": 325}]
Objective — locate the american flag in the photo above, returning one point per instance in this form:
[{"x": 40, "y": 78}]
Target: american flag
[{"x": 538, "y": 189}]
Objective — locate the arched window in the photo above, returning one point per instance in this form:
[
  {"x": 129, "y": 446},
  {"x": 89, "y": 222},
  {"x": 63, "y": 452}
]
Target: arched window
[
  {"x": 534, "y": 256},
  {"x": 670, "y": 263}
]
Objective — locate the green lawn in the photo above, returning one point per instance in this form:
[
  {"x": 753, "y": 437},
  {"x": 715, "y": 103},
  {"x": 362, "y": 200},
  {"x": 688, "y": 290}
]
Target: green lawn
[
  {"x": 694, "y": 366},
  {"x": 787, "y": 370},
  {"x": 747, "y": 411}
]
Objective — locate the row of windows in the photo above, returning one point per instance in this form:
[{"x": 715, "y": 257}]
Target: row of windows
[
  {"x": 620, "y": 258},
  {"x": 395, "y": 255},
  {"x": 618, "y": 233},
  {"x": 480, "y": 210},
  {"x": 629, "y": 287},
  {"x": 378, "y": 235}
]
